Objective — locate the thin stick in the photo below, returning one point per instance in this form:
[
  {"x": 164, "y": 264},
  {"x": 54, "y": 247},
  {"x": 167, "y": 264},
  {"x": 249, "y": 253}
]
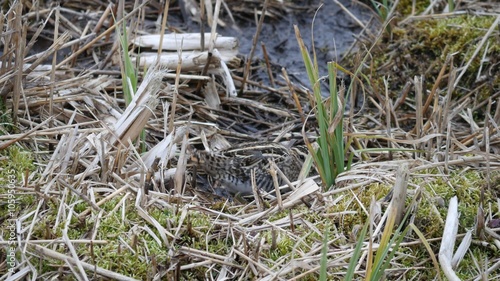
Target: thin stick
[
  {"x": 268, "y": 64},
  {"x": 46, "y": 252},
  {"x": 19, "y": 42},
  {"x": 109, "y": 30},
  {"x": 163, "y": 27},
  {"x": 294, "y": 95},
  {"x": 486, "y": 36},
  {"x": 53, "y": 72},
  {"x": 254, "y": 44},
  {"x": 176, "y": 90},
  {"x": 202, "y": 25}
]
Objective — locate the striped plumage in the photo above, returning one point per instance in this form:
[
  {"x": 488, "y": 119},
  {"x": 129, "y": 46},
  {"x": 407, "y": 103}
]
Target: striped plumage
[{"x": 232, "y": 167}]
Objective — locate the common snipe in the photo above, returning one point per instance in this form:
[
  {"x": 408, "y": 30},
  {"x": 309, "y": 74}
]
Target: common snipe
[{"x": 232, "y": 167}]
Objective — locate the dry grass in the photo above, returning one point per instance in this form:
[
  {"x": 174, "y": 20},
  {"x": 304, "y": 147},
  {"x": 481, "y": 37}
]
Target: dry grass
[{"x": 100, "y": 201}]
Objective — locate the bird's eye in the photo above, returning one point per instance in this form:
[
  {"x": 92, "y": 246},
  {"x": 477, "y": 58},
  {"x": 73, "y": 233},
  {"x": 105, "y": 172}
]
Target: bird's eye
[{"x": 301, "y": 152}]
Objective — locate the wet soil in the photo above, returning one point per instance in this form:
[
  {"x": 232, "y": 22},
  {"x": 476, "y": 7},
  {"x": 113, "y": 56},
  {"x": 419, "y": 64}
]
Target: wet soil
[{"x": 334, "y": 32}]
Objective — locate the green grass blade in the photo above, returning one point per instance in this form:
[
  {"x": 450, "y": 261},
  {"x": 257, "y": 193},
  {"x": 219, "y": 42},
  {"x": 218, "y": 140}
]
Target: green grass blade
[
  {"x": 357, "y": 253},
  {"x": 129, "y": 72},
  {"x": 429, "y": 249},
  {"x": 381, "y": 267}
]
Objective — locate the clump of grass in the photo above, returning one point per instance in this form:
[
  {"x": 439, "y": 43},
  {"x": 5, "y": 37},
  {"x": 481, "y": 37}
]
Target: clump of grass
[
  {"x": 451, "y": 5},
  {"x": 330, "y": 155},
  {"x": 382, "y": 8},
  {"x": 385, "y": 11},
  {"x": 388, "y": 247},
  {"x": 130, "y": 76},
  {"x": 129, "y": 72}
]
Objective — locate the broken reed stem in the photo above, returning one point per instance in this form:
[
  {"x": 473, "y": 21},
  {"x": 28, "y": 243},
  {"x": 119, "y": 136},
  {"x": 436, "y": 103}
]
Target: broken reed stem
[
  {"x": 181, "y": 166},
  {"x": 400, "y": 192},
  {"x": 211, "y": 44},
  {"x": 273, "y": 173}
]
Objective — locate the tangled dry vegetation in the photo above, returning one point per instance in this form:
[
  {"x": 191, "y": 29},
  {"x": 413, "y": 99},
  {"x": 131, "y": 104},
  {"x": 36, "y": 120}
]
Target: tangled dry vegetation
[{"x": 104, "y": 188}]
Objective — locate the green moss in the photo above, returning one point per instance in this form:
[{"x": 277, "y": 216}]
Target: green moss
[
  {"x": 5, "y": 119},
  {"x": 420, "y": 47},
  {"x": 125, "y": 254},
  {"x": 430, "y": 213},
  {"x": 14, "y": 164},
  {"x": 115, "y": 255},
  {"x": 477, "y": 255},
  {"x": 466, "y": 186},
  {"x": 283, "y": 248},
  {"x": 119, "y": 258},
  {"x": 15, "y": 161},
  {"x": 405, "y": 7},
  {"x": 353, "y": 212},
  {"x": 468, "y": 193},
  {"x": 420, "y": 254},
  {"x": 429, "y": 219},
  {"x": 461, "y": 34}
]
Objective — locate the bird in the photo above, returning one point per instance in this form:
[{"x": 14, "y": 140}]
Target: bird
[{"x": 232, "y": 166}]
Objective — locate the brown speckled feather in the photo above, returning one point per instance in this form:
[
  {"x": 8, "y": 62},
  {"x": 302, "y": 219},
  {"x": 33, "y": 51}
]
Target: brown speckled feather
[{"x": 232, "y": 167}]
